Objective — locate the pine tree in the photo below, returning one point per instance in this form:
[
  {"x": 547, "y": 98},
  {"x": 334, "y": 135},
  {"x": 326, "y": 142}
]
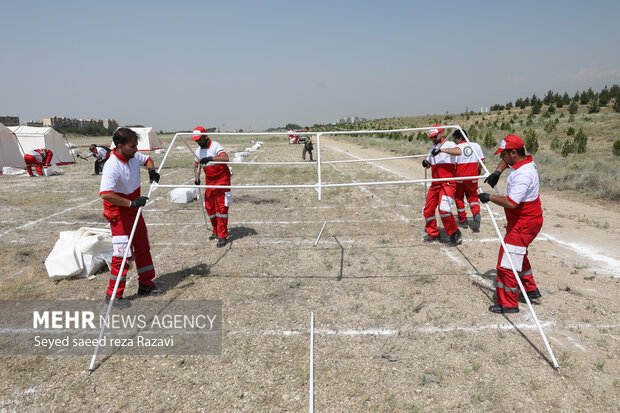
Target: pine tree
[
  {"x": 580, "y": 141},
  {"x": 573, "y": 107}
]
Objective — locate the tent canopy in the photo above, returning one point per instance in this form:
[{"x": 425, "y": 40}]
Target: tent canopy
[
  {"x": 10, "y": 149},
  {"x": 31, "y": 137},
  {"x": 147, "y": 139}
]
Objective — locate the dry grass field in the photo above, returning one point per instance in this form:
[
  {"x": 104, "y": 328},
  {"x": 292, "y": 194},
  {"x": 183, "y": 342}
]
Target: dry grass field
[{"x": 401, "y": 325}]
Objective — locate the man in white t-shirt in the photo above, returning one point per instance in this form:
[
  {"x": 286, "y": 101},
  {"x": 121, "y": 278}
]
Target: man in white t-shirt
[
  {"x": 38, "y": 158},
  {"x": 217, "y": 200},
  {"x": 467, "y": 165},
  {"x": 524, "y": 216},
  {"x": 120, "y": 191},
  {"x": 441, "y": 160},
  {"x": 101, "y": 154}
]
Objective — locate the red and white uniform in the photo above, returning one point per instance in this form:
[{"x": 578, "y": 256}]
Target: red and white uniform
[
  {"x": 122, "y": 177},
  {"x": 217, "y": 200},
  {"x": 524, "y": 223},
  {"x": 441, "y": 194},
  {"x": 291, "y": 137},
  {"x": 101, "y": 154},
  {"x": 38, "y": 158},
  {"x": 467, "y": 165}
]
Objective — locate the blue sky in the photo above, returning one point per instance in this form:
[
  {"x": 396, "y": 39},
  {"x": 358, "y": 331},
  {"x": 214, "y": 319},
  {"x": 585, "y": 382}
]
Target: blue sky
[{"x": 254, "y": 65}]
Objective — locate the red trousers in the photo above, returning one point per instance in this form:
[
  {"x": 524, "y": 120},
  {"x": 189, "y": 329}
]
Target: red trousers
[
  {"x": 440, "y": 195},
  {"x": 121, "y": 225},
  {"x": 30, "y": 161},
  {"x": 217, "y": 209},
  {"x": 469, "y": 190},
  {"x": 517, "y": 240}
]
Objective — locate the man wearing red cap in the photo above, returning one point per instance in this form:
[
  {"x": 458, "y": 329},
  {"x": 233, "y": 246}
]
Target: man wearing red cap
[
  {"x": 467, "y": 165},
  {"x": 441, "y": 160},
  {"x": 217, "y": 200},
  {"x": 521, "y": 202},
  {"x": 38, "y": 158}
]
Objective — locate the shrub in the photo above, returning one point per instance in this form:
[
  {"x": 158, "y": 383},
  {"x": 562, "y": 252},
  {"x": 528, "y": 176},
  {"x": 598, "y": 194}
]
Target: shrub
[
  {"x": 571, "y": 118},
  {"x": 617, "y": 105},
  {"x": 616, "y": 148},
  {"x": 556, "y": 145},
  {"x": 536, "y": 107},
  {"x": 573, "y": 107},
  {"x": 580, "y": 141},
  {"x": 531, "y": 140},
  {"x": 551, "y": 108},
  {"x": 549, "y": 127},
  {"x": 570, "y": 131},
  {"x": 594, "y": 106},
  {"x": 505, "y": 126},
  {"x": 489, "y": 141},
  {"x": 567, "y": 148}
]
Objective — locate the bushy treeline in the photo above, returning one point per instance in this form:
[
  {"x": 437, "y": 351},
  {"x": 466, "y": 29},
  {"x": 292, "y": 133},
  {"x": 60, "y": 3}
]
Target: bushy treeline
[
  {"x": 553, "y": 100},
  {"x": 88, "y": 130}
]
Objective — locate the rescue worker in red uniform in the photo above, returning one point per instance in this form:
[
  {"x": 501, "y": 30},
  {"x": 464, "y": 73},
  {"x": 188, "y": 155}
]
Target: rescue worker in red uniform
[
  {"x": 217, "y": 200},
  {"x": 441, "y": 160},
  {"x": 38, "y": 158},
  {"x": 120, "y": 191},
  {"x": 101, "y": 154},
  {"x": 524, "y": 216},
  {"x": 467, "y": 165}
]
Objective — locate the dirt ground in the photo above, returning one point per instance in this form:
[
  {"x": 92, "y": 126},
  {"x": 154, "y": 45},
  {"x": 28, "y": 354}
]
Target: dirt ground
[{"x": 400, "y": 325}]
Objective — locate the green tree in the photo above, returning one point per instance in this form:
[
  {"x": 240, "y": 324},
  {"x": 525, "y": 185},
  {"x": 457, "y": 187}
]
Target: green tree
[
  {"x": 549, "y": 98},
  {"x": 489, "y": 141},
  {"x": 531, "y": 140},
  {"x": 580, "y": 141},
  {"x": 551, "y": 108},
  {"x": 573, "y": 107},
  {"x": 536, "y": 107},
  {"x": 549, "y": 126},
  {"x": 594, "y": 106},
  {"x": 604, "y": 96},
  {"x": 570, "y": 131},
  {"x": 567, "y": 148},
  {"x": 565, "y": 99},
  {"x": 616, "y": 148},
  {"x": 617, "y": 105},
  {"x": 556, "y": 144}
]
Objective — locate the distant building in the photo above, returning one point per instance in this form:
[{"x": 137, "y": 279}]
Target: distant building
[
  {"x": 33, "y": 123},
  {"x": 350, "y": 119},
  {"x": 60, "y": 122},
  {"x": 110, "y": 124},
  {"x": 9, "y": 120}
]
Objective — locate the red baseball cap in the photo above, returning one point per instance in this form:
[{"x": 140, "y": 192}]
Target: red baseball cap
[
  {"x": 199, "y": 129},
  {"x": 510, "y": 142},
  {"x": 434, "y": 131}
]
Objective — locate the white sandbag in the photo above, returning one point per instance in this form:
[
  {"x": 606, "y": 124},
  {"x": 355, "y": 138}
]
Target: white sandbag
[
  {"x": 181, "y": 148},
  {"x": 159, "y": 151},
  {"x": 53, "y": 170},
  {"x": 70, "y": 145},
  {"x": 75, "y": 152},
  {"x": 9, "y": 170},
  {"x": 183, "y": 195},
  {"x": 79, "y": 253}
]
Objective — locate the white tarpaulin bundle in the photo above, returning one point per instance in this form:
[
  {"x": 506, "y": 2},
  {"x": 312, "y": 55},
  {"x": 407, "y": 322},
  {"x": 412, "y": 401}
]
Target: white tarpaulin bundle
[
  {"x": 80, "y": 253},
  {"x": 183, "y": 195}
]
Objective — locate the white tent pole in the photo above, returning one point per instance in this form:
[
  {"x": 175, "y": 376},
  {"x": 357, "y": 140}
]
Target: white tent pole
[
  {"x": 320, "y": 233},
  {"x": 311, "y": 390},
  {"x": 318, "y": 163}
]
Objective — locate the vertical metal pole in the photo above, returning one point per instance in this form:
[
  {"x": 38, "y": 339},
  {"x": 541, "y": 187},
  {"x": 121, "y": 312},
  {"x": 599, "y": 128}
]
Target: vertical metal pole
[
  {"x": 202, "y": 202},
  {"x": 311, "y": 395},
  {"x": 318, "y": 163}
]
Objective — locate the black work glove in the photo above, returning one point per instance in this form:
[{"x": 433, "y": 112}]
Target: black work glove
[
  {"x": 425, "y": 163},
  {"x": 484, "y": 197},
  {"x": 139, "y": 202},
  {"x": 197, "y": 181},
  {"x": 493, "y": 178},
  {"x": 153, "y": 176},
  {"x": 206, "y": 160},
  {"x": 436, "y": 151}
]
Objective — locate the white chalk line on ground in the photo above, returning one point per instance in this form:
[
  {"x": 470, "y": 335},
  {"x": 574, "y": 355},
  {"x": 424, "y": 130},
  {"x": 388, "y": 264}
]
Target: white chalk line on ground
[{"x": 429, "y": 330}]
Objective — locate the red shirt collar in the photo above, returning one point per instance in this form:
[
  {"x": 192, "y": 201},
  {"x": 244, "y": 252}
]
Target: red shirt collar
[
  {"x": 120, "y": 157},
  {"x": 519, "y": 164}
]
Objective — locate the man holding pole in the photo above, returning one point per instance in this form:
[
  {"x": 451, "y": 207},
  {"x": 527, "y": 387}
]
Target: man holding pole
[
  {"x": 217, "y": 200},
  {"x": 120, "y": 191},
  {"x": 441, "y": 160},
  {"x": 521, "y": 202},
  {"x": 467, "y": 165}
]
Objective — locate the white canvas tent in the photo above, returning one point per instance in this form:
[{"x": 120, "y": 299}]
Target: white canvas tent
[
  {"x": 31, "y": 137},
  {"x": 147, "y": 139},
  {"x": 10, "y": 150}
]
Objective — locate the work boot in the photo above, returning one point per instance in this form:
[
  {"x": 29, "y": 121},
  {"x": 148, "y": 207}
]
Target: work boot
[
  {"x": 221, "y": 242},
  {"x": 498, "y": 309},
  {"x": 428, "y": 238},
  {"x": 144, "y": 290},
  {"x": 532, "y": 295},
  {"x": 212, "y": 237},
  {"x": 119, "y": 302},
  {"x": 462, "y": 224},
  {"x": 456, "y": 238},
  {"x": 475, "y": 223}
]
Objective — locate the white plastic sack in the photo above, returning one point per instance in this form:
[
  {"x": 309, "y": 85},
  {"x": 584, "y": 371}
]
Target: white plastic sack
[
  {"x": 183, "y": 195},
  {"x": 70, "y": 145},
  {"x": 159, "y": 151},
  {"x": 80, "y": 253},
  {"x": 75, "y": 152},
  {"x": 53, "y": 170},
  {"x": 9, "y": 170}
]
